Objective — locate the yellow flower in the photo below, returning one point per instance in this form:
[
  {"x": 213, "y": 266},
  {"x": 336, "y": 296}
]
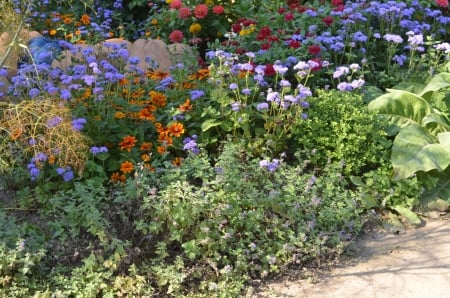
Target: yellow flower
[
  {"x": 195, "y": 28},
  {"x": 209, "y": 2},
  {"x": 168, "y": 1},
  {"x": 154, "y": 22}
]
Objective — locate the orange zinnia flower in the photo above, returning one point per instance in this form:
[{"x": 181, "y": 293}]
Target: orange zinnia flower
[
  {"x": 146, "y": 114},
  {"x": 159, "y": 99},
  {"x": 165, "y": 139},
  {"x": 157, "y": 75},
  {"x": 177, "y": 161},
  {"x": 51, "y": 159},
  {"x": 145, "y": 157},
  {"x": 119, "y": 115},
  {"x": 186, "y": 106},
  {"x": 126, "y": 167},
  {"x": 176, "y": 129},
  {"x": 117, "y": 177},
  {"x": 146, "y": 146},
  {"x": 52, "y": 32},
  {"x": 77, "y": 32},
  {"x": 161, "y": 149},
  {"x": 85, "y": 19},
  {"x": 127, "y": 143},
  {"x": 17, "y": 132}
]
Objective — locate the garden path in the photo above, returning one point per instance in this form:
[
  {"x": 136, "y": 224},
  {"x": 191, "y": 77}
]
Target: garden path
[{"x": 415, "y": 264}]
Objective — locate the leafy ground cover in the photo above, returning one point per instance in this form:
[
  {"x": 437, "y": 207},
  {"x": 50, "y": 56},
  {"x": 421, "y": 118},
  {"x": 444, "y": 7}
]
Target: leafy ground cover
[{"x": 264, "y": 152}]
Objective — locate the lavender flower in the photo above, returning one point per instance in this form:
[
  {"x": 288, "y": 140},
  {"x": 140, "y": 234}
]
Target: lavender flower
[
  {"x": 196, "y": 94},
  {"x": 262, "y": 106},
  {"x": 393, "y": 38},
  {"x": 53, "y": 122},
  {"x": 190, "y": 144},
  {"x": 96, "y": 150},
  {"x": 78, "y": 124}
]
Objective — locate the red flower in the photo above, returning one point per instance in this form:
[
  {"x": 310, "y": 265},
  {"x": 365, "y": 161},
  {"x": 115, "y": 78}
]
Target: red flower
[
  {"x": 265, "y": 46},
  {"x": 328, "y": 20},
  {"x": 337, "y": 2},
  {"x": 263, "y": 33},
  {"x": 236, "y": 28},
  {"x": 218, "y": 9},
  {"x": 294, "y": 44},
  {"x": 269, "y": 71},
  {"x": 184, "y": 13},
  {"x": 314, "y": 49},
  {"x": 201, "y": 11},
  {"x": 176, "y": 4},
  {"x": 289, "y": 16},
  {"x": 176, "y": 36},
  {"x": 442, "y": 3}
]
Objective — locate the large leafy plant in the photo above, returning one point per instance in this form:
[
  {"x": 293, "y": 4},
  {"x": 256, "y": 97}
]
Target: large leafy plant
[{"x": 420, "y": 122}]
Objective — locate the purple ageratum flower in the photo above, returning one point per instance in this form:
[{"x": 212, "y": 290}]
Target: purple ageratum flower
[
  {"x": 262, "y": 106},
  {"x": 65, "y": 94},
  {"x": 196, "y": 94},
  {"x": 246, "y": 91},
  {"x": 33, "y": 171},
  {"x": 357, "y": 83},
  {"x": 303, "y": 91},
  {"x": 78, "y": 124},
  {"x": 354, "y": 67},
  {"x": 400, "y": 59},
  {"x": 66, "y": 173},
  {"x": 34, "y": 92},
  {"x": 273, "y": 96},
  {"x": 3, "y": 72},
  {"x": 53, "y": 122},
  {"x": 414, "y": 40},
  {"x": 280, "y": 69},
  {"x": 96, "y": 150},
  {"x": 233, "y": 86},
  {"x": 340, "y": 71},
  {"x": 301, "y": 65},
  {"x": 89, "y": 79},
  {"x": 344, "y": 86},
  {"x": 236, "y": 106},
  {"x": 285, "y": 83},
  {"x": 134, "y": 60},
  {"x": 393, "y": 38},
  {"x": 270, "y": 166},
  {"x": 190, "y": 144},
  {"x": 443, "y": 47}
]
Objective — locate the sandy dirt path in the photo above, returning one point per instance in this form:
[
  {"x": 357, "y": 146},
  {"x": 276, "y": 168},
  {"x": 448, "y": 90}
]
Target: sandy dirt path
[{"x": 415, "y": 264}]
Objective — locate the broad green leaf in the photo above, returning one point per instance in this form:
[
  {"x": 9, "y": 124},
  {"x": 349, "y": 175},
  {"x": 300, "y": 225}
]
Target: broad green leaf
[
  {"x": 412, "y": 217},
  {"x": 210, "y": 123},
  {"x": 371, "y": 92},
  {"x": 401, "y": 108},
  {"x": 414, "y": 149},
  {"x": 444, "y": 138},
  {"x": 436, "y": 122},
  {"x": 412, "y": 87},
  {"x": 438, "y": 82}
]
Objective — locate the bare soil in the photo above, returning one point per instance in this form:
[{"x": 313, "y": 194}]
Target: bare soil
[{"x": 414, "y": 263}]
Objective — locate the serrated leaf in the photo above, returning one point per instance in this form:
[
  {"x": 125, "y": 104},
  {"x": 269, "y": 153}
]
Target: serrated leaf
[
  {"x": 414, "y": 149},
  {"x": 401, "y": 108},
  {"x": 412, "y": 217}
]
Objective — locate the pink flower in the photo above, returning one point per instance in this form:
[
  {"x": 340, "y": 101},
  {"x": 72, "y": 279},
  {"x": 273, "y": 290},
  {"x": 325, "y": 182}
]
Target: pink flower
[
  {"x": 289, "y": 16},
  {"x": 218, "y": 9},
  {"x": 328, "y": 20},
  {"x": 184, "y": 13},
  {"x": 176, "y": 36},
  {"x": 176, "y": 4},
  {"x": 201, "y": 11},
  {"x": 442, "y": 3}
]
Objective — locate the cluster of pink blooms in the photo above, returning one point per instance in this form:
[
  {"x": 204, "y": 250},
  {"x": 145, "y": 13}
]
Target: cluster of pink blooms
[{"x": 184, "y": 12}]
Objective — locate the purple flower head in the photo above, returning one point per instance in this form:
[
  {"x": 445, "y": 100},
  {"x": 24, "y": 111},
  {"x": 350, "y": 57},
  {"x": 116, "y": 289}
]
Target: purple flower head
[
  {"x": 280, "y": 69},
  {"x": 196, "y": 94},
  {"x": 262, "y": 106},
  {"x": 271, "y": 166},
  {"x": 236, "y": 106},
  {"x": 303, "y": 91},
  {"x": 89, "y": 79},
  {"x": 96, "y": 150},
  {"x": 78, "y": 124},
  {"x": 134, "y": 60},
  {"x": 3, "y": 72},
  {"x": 340, "y": 71},
  {"x": 190, "y": 144},
  {"x": 285, "y": 83},
  {"x": 53, "y": 122},
  {"x": 246, "y": 91},
  {"x": 34, "y": 92},
  {"x": 273, "y": 96},
  {"x": 393, "y": 38},
  {"x": 344, "y": 86},
  {"x": 233, "y": 86}
]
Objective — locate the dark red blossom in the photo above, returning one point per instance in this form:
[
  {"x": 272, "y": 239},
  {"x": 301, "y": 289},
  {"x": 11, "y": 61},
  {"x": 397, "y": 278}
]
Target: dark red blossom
[
  {"x": 314, "y": 49},
  {"x": 328, "y": 20},
  {"x": 294, "y": 44},
  {"x": 269, "y": 71},
  {"x": 289, "y": 16}
]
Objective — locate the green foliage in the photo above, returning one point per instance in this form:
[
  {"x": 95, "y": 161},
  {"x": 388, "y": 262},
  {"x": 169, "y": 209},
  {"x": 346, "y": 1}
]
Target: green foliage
[
  {"x": 340, "y": 129},
  {"x": 421, "y": 125}
]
